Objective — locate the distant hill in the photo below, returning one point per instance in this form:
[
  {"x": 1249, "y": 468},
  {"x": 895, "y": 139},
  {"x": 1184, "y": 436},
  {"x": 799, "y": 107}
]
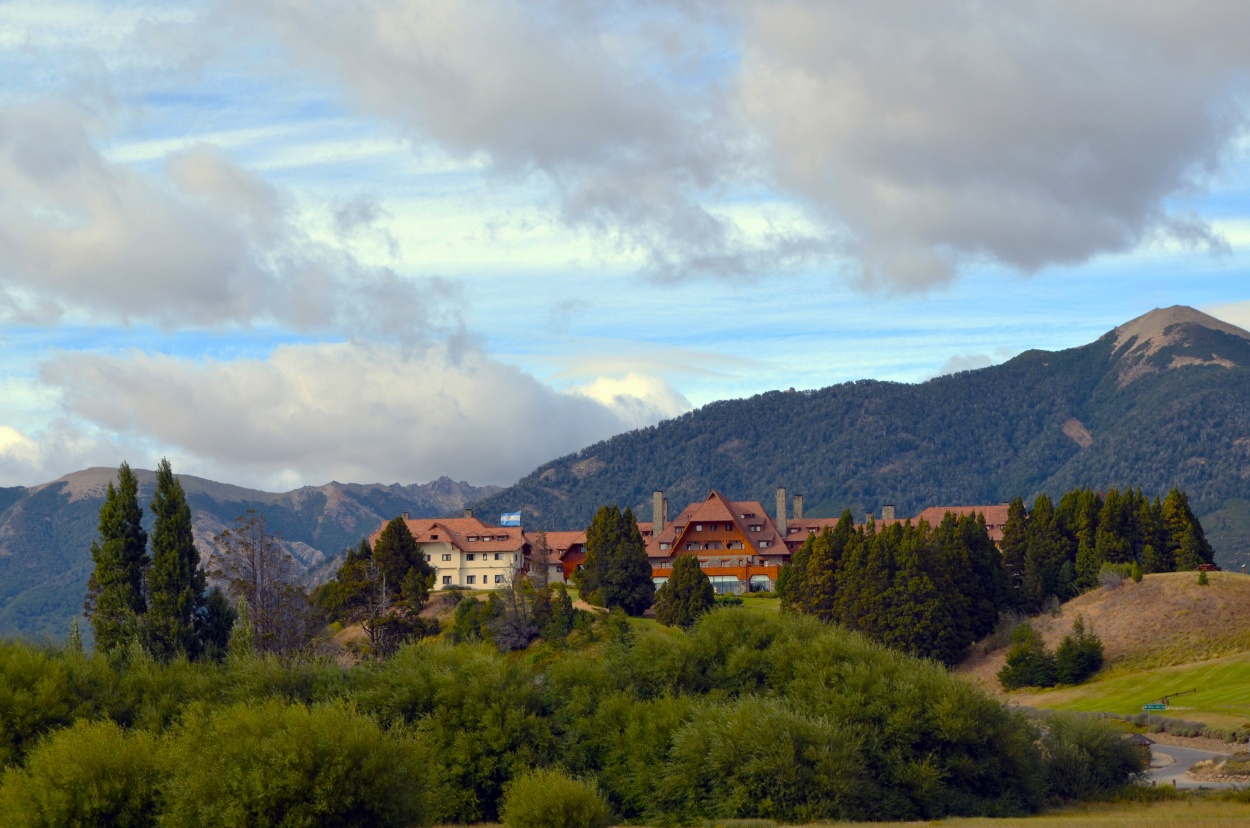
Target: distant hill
[
  {"x": 46, "y": 531},
  {"x": 1161, "y": 401},
  {"x": 1166, "y": 620}
]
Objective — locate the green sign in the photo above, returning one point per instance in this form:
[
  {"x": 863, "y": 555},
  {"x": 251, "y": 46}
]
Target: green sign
[{"x": 1154, "y": 707}]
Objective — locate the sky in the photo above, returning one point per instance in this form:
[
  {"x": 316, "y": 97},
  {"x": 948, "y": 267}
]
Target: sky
[{"x": 283, "y": 243}]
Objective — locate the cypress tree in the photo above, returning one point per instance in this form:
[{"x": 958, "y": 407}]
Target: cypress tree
[
  {"x": 686, "y": 595},
  {"x": 175, "y": 581},
  {"x": 115, "y": 597},
  {"x": 400, "y": 560}
]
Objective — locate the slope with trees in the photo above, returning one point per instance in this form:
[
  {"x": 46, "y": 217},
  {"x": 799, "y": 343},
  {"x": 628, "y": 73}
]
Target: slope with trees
[{"x": 1160, "y": 403}]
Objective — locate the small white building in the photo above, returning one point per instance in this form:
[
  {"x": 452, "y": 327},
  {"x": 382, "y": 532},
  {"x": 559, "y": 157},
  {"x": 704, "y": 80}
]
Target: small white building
[{"x": 465, "y": 552}]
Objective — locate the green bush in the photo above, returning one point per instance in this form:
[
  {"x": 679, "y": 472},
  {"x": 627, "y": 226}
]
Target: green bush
[
  {"x": 92, "y": 773},
  {"x": 289, "y": 765},
  {"x": 1088, "y": 757},
  {"x": 1079, "y": 655},
  {"x": 551, "y": 799}
]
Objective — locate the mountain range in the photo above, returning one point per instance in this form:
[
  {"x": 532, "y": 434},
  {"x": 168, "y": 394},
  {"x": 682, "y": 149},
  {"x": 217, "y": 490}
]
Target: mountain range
[
  {"x": 1161, "y": 401},
  {"x": 46, "y": 531}
]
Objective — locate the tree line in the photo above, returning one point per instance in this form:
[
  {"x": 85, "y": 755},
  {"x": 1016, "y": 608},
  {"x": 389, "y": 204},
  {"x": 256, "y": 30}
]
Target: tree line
[
  {"x": 928, "y": 592},
  {"x": 1057, "y": 551}
]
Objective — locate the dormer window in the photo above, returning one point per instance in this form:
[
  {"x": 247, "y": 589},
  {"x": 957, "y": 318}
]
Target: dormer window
[
  {"x": 811, "y": 530},
  {"x": 763, "y": 544},
  {"x": 433, "y": 537},
  {"x": 794, "y": 530},
  {"x": 472, "y": 537},
  {"x": 664, "y": 546},
  {"x": 757, "y": 527}
]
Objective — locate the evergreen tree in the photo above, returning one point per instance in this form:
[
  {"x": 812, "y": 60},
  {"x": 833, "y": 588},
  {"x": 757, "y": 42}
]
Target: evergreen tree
[
  {"x": 917, "y": 616},
  {"x": 1029, "y": 663},
  {"x": 686, "y": 595},
  {"x": 1187, "y": 544},
  {"x": 1015, "y": 546},
  {"x": 399, "y": 559},
  {"x": 73, "y": 642},
  {"x": 1088, "y": 566},
  {"x": 175, "y": 581},
  {"x": 1079, "y": 655},
  {"x": 616, "y": 572},
  {"x": 215, "y": 623},
  {"x": 115, "y": 596}
]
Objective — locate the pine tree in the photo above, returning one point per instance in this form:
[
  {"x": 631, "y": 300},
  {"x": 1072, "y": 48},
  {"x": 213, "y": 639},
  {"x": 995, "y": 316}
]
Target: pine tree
[
  {"x": 175, "y": 581},
  {"x": 73, "y": 642},
  {"x": 686, "y": 595},
  {"x": 399, "y": 558},
  {"x": 616, "y": 572},
  {"x": 115, "y": 597},
  {"x": 1015, "y": 547},
  {"x": 215, "y": 624}
]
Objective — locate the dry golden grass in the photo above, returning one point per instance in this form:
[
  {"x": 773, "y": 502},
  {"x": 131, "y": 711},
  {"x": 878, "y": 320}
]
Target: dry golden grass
[{"x": 1166, "y": 619}]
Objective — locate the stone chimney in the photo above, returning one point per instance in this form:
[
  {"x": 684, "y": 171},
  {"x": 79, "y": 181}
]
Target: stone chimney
[
  {"x": 407, "y": 515},
  {"x": 657, "y": 512},
  {"x": 887, "y": 512},
  {"x": 798, "y": 507},
  {"x": 781, "y": 511},
  {"x": 468, "y": 513}
]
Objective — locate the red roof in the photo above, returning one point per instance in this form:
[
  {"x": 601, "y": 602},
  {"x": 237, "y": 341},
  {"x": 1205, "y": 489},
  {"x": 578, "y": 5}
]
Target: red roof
[
  {"x": 465, "y": 533},
  {"x": 743, "y": 514},
  {"x": 995, "y": 516}
]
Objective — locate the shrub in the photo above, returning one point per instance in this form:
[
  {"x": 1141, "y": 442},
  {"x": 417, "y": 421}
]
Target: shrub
[
  {"x": 92, "y": 773},
  {"x": 551, "y": 799},
  {"x": 1202, "y": 577},
  {"x": 686, "y": 595},
  {"x": 1112, "y": 575},
  {"x": 1087, "y": 757},
  {"x": 289, "y": 765},
  {"x": 728, "y": 600}
]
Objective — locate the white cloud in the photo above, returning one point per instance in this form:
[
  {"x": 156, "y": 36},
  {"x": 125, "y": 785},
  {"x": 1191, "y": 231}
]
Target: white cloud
[
  {"x": 209, "y": 245},
  {"x": 349, "y": 411}
]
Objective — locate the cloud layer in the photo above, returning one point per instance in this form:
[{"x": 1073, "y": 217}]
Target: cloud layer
[{"x": 352, "y": 411}]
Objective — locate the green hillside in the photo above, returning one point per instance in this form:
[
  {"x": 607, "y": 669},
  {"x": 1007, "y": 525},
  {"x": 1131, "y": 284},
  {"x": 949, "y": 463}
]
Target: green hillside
[{"x": 1161, "y": 402}]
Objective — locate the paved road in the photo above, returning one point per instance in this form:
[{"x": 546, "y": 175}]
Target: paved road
[{"x": 1168, "y": 764}]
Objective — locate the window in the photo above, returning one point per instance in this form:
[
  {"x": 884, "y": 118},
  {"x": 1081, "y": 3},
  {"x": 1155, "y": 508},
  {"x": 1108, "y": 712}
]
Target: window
[
  {"x": 499, "y": 579},
  {"x": 794, "y": 530},
  {"x": 472, "y": 537},
  {"x": 665, "y": 545},
  {"x": 698, "y": 527},
  {"x": 811, "y": 531},
  {"x": 498, "y": 557},
  {"x": 433, "y": 537},
  {"x": 763, "y": 544},
  {"x": 447, "y": 556},
  {"x": 757, "y": 527},
  {"x": 469, "y": 556},
  {"x": 446, "y": 579},
  {"x": 470, "y": 579},
  {"x": 427, "y": 558},
  {"x": 692, "y": 546}
]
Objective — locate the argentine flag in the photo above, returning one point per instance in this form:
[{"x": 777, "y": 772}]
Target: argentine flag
[{"x": 510, "y": 519}]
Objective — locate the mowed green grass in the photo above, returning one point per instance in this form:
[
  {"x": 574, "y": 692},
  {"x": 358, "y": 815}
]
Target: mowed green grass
[{"x": 1222, "y": 700}]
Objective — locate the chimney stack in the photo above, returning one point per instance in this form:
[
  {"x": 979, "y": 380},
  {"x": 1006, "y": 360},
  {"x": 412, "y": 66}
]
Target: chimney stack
[
  {"x": 657, "y": 512},
  {"x": 407, "y": 516},
  {"x": 468, "y": 513},
  {"x": 781, "y": 511},
  {"x": 798, "y": 507},
  {"x": 887, "y": 512}
]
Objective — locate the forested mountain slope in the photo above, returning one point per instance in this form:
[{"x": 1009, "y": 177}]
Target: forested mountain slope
[
  {"x": 1161, "y": 401},
  {"x": 46, "y": 531}
]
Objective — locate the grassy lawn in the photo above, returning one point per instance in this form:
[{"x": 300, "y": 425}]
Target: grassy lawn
[{"x": 1222, "y": 700}]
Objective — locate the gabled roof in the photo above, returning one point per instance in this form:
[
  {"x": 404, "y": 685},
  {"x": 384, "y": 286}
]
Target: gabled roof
[
  {"x": 716, "y": 508},
  {"x": 459, "y": 531}
]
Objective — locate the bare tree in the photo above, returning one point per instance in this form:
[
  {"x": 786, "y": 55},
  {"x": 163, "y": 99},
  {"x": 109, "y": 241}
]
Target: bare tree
[
  {"x": 257, "y": 570},
  {"x": 540, "y": 560}
]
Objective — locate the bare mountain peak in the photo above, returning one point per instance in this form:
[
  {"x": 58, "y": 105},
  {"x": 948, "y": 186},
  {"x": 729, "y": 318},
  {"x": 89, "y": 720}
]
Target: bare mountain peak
[{"x": 1163, "y": 326}]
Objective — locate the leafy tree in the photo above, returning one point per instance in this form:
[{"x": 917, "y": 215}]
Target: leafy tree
[
  {"x": 686, "y": 595},
  {"x": 115, "y": 594},
  {"x": 616, "y": 572},
  {"x": 540, "y": 557},
  {"x": 175, "y": 581},
  {"x": 242, "y": 638},
  {"x": 562, "y": 615}
]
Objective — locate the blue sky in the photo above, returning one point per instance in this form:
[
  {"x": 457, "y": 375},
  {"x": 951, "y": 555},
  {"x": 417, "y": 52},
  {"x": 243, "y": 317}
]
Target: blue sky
[{"x": 287, "y": 242}]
